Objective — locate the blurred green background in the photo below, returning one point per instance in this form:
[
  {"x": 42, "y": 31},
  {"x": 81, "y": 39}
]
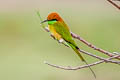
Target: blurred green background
[{"x": 24, "y": 45}]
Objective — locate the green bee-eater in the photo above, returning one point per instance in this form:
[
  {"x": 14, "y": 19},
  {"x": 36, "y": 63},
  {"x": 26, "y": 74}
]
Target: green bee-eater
[{"x": 60, "y": 31}]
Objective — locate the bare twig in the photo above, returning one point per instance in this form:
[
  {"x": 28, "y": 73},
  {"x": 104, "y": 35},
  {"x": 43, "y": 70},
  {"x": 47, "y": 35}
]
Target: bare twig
[
  {"x": 92, "y": 46},
  {"x": 80, "y": 67},
  {"x": 114, "y": 4},
  {"x": 98, "y": 57},
  {"x": 47, "y": 29}
]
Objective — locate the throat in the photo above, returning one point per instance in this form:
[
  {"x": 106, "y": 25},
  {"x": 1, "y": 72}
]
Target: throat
[{"x": 51, "y": 22}]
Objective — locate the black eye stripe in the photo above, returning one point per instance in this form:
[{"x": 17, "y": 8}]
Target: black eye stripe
[{"x": 53, "y": 20}]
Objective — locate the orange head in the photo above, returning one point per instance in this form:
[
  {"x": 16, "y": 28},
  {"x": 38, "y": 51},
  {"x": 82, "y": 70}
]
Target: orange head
[{"x": 54, "y": 16}]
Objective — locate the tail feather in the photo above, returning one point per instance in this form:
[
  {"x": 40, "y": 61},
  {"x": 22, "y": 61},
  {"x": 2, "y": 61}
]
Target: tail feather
[
  {"x": 90, "y": 69},
  {"x": 76, "y": 49}
]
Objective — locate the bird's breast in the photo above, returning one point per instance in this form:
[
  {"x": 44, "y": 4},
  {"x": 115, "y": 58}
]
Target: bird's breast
[
  {"x": 53, "y": 32},
  {"x": 52, "y": 29}
]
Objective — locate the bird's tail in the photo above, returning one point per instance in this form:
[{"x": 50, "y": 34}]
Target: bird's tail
[
  {"x": 76, "y": 49},
  {"x": 78, "y": 53}
]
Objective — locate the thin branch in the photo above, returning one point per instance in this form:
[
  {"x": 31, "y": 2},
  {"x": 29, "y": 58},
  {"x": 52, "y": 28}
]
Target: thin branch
[
  {"x": 114, "y": 4},
  {"x": 47, "y": 29},
  {"x": 98, "y": 57},
  {"x": 92, "y": 46},
  {"x": 80, "y": 67}
]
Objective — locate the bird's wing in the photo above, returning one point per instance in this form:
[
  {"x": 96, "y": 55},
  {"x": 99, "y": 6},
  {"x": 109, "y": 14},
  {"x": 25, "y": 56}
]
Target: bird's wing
[{"x": 63, "y": 30}]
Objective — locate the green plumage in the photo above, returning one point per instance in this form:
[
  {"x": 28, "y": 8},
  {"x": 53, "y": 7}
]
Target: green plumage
[{"x": 62, "y": 29}]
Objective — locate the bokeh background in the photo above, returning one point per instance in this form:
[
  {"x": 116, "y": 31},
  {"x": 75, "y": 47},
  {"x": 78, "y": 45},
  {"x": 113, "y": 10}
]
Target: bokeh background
[{"x": 24, "y": 45}]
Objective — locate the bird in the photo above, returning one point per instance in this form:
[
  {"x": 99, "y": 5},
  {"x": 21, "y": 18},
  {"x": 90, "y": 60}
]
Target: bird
[{"x": 61, "y": 32}]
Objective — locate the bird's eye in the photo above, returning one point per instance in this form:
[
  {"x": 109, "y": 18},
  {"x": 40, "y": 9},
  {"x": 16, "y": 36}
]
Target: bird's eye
[{"x": 54, "y": 20}]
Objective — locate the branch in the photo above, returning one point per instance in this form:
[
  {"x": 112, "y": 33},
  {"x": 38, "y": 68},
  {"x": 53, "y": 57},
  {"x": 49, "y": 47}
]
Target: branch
[
  {"x": 114, "y": 4},
  {"x": 98, "y": 57},
  {"x": 80, "y": 67},
  {"x": 92, "y": 46}
]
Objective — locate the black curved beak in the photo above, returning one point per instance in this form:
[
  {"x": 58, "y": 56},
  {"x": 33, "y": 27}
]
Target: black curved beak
[{"x": 44, "y": 21}]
